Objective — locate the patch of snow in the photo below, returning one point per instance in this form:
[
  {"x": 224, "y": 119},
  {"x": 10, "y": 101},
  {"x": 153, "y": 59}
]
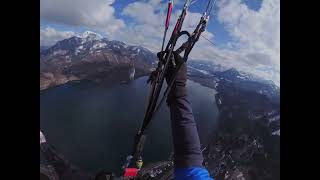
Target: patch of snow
[
  {"x": 241, "y": 77},
  {"x": 79, "y": 49},
  {"x": 200, "y": 70},
  {"x": 134, "y": 48},
  {"x": 77, "y": 52},
  {"x": 98, "y": 45},
  {"x": 59, "y": 52},
  {"x": 203, "y": 71},
  {"x": 271, "y": 112},
  {"x": 132, "y": 73},
  {"x": 276, "y": 133},
  {"x": 275, "y": 118},
  {"x": 89, "y": 36}
]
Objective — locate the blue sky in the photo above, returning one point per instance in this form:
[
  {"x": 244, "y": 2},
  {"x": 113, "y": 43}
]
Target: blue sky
[
  {"x": 221, "y": 38},
  {"x": 246, "y": 33}
]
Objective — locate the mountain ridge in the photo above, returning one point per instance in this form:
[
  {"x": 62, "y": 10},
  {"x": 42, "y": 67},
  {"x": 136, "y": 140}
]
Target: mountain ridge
[
  {"x": 90, "y": 56},
  {"x": 70, "y": 59},
  {"x": 246, "y": 142}
]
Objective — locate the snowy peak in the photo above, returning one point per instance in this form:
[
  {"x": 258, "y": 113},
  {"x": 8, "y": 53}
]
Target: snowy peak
[
  {"x": 93, "y": 45},
  {"x": 90, "y": 36}
]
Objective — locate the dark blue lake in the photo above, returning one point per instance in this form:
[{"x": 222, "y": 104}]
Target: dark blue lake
[{"x": 93, "y": 126}]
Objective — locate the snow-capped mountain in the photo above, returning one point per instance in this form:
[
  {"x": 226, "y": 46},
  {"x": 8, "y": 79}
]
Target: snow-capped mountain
[
  {"x": 74, "y": 56},
  {"x": 79, "y": 47},
  {"x": 212, "y": 75},
  {"x": 90, "y": 36},
  {"x": 249, "y": 111},
  {"x": 91, "y": 56}
]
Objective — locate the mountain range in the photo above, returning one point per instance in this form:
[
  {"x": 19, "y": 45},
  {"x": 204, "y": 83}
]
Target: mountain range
[
  {"x": 211, "y": 75},
  {"x": 92, "y": 57},
  {"x": 246, "y": 141}
]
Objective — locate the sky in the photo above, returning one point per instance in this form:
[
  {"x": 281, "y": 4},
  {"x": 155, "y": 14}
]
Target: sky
[{"x": 245, "y": 33}]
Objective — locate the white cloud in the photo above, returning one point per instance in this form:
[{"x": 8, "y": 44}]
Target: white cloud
[
  {"x": 256, "y": 35},
  {"x": 94, "y": 14},
  {"x": 142, "y": 13},
  {"x": 255, "y": 45},
  {"x": 147, "y": 26},
  {"x": 49, "y": 36}
]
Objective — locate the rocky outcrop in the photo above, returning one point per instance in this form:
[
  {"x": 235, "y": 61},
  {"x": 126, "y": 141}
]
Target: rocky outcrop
[{"x": 246, "y": 142}]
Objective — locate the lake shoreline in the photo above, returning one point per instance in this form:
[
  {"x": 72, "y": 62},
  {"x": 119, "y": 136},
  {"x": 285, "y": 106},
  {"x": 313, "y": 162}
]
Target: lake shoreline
[{"x": 73, "y": 116}]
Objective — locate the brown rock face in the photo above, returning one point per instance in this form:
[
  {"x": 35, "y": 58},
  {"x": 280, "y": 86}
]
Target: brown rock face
[{"x": 49, "y": 79}]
